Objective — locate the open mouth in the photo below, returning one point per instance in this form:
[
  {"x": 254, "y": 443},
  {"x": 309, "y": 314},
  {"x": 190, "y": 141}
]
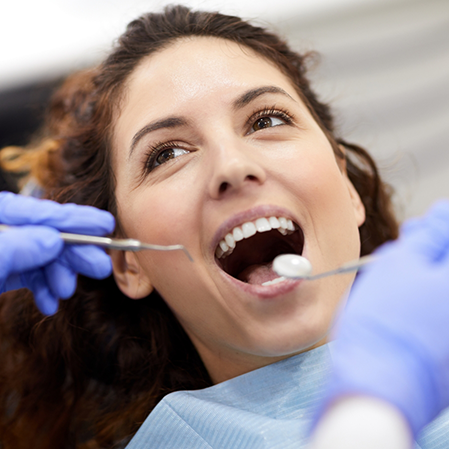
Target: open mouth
[{"x": 247, "y": 252}]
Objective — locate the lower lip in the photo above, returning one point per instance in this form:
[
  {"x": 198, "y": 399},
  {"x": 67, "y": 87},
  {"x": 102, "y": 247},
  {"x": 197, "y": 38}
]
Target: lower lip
[{"x": 264, "y": 291}]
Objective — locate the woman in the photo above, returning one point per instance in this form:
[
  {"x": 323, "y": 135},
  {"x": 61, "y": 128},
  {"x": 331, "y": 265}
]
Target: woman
[{"x": 198, "y": 129}]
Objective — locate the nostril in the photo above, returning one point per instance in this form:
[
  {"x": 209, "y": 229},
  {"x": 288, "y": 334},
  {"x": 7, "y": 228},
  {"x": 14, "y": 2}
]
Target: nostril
[{"x": 223, "y": 187}]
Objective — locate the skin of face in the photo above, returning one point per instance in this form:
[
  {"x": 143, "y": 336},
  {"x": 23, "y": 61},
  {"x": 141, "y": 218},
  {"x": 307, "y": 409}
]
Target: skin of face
[{"x": 202, "y": 96}]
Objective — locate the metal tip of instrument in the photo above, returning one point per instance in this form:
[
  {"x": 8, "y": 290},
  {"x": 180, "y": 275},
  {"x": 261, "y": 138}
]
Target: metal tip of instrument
[
  {"x": 118, "y": 244},
  {"x": 123, "y": 244},
  {"x": 167, "y": 248}
]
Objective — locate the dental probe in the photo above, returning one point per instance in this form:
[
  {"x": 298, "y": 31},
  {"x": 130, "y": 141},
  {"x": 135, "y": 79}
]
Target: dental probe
[
  {"x": 293, "y": 266},
  {"x": 106, "y": 242}
]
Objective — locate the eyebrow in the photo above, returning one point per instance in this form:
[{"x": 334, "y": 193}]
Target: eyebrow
[
  {"x": 170, "y": 122},
  {"x": 176, "y": 122},
  {"x": 252, "y": 94}
]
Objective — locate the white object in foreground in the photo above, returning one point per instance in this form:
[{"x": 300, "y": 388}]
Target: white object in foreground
[{"x": 362, "y": 422}]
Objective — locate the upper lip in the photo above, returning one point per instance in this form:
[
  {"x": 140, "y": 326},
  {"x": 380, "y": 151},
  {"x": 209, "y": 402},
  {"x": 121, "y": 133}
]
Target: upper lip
[{"x": 249, "y": 215}]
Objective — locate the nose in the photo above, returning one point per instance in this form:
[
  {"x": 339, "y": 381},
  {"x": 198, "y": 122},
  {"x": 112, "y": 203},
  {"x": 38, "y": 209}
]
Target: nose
[{"x": 233, "y": 170}]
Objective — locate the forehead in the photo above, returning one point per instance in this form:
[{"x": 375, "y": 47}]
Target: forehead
[
  {"x": 195, "y": 68},
  {"x": 204, "y": 60}
]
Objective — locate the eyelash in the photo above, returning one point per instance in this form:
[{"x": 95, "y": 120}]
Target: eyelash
[
  {"x": 272, "y": 111},
  {"x": 156, "y": 149}
]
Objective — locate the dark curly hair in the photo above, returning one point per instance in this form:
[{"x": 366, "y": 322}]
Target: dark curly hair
[{"x": 88, "y": 376}]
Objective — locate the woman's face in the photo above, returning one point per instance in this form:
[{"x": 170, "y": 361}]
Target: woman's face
[{"x": 211, "y": 141}]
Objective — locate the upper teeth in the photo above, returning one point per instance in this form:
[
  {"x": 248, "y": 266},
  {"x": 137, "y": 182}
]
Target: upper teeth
[{"x": 248, "y": 229}]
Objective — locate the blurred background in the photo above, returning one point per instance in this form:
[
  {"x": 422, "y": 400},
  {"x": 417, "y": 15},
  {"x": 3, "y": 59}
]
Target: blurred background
[{"x": 384, "y": 66}]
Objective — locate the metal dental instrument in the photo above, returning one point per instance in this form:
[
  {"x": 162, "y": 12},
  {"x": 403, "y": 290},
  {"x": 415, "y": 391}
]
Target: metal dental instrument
[
  {"x": 106, "y": 242},
  {"x": 293, "y": 266}
]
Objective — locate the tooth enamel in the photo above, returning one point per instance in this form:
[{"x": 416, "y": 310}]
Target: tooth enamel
[
  {"x": 223, "y": 246},
  {"x": 248, "y": 229},
  {"x": 274, "y": 281},
  {"x": 229, "y": 239},
  {"x": 228, "y": 253},
  {"x": 237, "y": 234},
  {"x": 219, "y": 252},
  {"x": 226, "y": 246},
  {"x": 262, "y": 225},
  {"x": 283, "y": 222},
  {"x": 274, "y": 223}
]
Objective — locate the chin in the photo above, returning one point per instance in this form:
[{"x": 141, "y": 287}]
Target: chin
[{"x": 284, "y": 342}]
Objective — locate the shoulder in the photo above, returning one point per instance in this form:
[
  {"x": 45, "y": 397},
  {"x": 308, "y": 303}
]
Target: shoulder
[{"x": 167, "y": 427}]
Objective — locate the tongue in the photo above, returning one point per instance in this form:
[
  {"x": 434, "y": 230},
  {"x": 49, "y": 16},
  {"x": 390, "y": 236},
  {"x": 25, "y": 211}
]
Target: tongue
[{"x": 258, "y": 274}]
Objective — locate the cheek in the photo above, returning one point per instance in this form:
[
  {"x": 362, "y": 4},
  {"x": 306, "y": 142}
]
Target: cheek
[
  {"x": 163, "y": 215},
  {"x": 314, "y": 177},
  {"x": 156, "y": 214},
  {"x": 320, "y": 188}
]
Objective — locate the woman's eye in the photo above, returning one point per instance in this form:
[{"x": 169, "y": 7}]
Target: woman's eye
[
  {"x": 167, "y": 154},
  {"x": 266, "y": 122}
]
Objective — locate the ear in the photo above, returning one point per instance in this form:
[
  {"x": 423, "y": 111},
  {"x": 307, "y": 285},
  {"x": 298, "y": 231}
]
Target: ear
[
  {"x": 130, "y": 278},
  {"x": 357, "y": 204}
]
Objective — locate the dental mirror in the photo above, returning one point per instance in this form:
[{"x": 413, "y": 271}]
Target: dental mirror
[{"x": 294, "y": 266}]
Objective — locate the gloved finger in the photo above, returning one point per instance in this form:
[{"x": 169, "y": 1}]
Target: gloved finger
[
  {"x": 26, "y": 248},
  {"x": 429, "y": 235},
  {"x": 20, "y": 210},
  {"x": 439, "y": 209},
  {"x": 13, "y": 282},
  {"x": 61, "y": 279},
  {"x": 88, "y": 260},
  {"x": 45, "y": 300}
]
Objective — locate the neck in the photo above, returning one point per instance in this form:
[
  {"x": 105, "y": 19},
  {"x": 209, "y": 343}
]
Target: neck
[{"x": 224, "y": 365}]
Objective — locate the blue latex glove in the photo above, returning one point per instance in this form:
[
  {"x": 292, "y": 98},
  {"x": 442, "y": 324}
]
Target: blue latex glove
[
  {"x": 34, "y": 256},
  {"x": 393, "y": 338}
]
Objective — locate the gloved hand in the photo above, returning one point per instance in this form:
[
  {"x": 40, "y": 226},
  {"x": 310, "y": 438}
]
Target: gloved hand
[
  {"x": 33, "y": 255},
  {"x": 392, "y": 341}
]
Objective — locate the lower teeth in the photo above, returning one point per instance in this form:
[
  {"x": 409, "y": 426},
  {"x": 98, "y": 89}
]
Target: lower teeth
[{"x": 275, "y": 281}]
